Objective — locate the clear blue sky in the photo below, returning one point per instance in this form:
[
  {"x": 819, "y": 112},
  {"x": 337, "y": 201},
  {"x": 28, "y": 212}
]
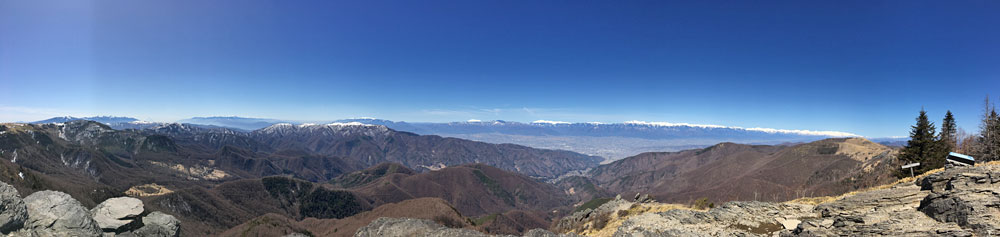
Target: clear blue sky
[{"x": 864, "y": 67}]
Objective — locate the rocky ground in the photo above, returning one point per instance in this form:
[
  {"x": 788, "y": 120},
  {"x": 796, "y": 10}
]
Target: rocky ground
[
  {"x": 53, "y": 213},
  {"x": 386, "y": 226},
  {"x": 961, "y": 201}
]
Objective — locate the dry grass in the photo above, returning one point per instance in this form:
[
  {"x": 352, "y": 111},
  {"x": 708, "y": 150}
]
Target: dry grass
[
  {"x": 996, "y": 162},
  {"x": 860, "y": 149},
  {"x": 146, "y": 190}
]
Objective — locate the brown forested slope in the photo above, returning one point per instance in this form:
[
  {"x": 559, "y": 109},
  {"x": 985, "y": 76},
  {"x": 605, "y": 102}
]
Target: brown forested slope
[{"x": 728, "y": 171}]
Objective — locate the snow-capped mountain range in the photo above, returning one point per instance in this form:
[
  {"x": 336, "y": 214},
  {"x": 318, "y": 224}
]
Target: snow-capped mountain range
[
  {"x": 634, "y": 128},
  {"x": 610, "y": 140},
  {"x": 242, "y": 123},
  {"x": 331, "y": 129},
  {"x": 99, "y": 119}
]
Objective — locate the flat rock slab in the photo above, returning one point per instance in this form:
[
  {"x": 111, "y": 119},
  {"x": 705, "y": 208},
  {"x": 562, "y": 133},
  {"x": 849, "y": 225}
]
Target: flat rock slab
[{"x": 117, "y": 212}]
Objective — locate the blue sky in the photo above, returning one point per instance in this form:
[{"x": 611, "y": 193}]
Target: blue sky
[{"x": 864, "y": 67}]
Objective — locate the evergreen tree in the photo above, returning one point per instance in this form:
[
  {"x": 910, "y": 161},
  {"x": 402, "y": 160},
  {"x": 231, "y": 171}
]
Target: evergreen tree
[
  {"x": 949, "y": 132},
  {"x": 923, "y": 147}
]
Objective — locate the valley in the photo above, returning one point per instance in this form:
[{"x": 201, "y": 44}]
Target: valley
[{"x": 221, "y": 181}]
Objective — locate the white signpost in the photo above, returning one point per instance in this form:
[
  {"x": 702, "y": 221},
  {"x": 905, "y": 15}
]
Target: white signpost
[{"x": 911, "y": 165}]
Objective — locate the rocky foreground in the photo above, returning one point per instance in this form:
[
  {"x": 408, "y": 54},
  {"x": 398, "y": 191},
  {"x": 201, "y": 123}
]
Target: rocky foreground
[
  {"x": 961, "y": 201},
  {"x": 52, "y": 213}
]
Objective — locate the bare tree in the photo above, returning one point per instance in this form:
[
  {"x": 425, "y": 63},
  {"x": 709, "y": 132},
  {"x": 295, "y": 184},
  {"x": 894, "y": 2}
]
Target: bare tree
[
  {"x": 965, "y": 142},
  {"x": 988, "y": 142}
]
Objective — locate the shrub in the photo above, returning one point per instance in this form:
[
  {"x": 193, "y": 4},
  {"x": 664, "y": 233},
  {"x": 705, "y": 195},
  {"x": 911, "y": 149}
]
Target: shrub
[
  {"x": 601, "y": 221},
  {"x": 622, "y": 213},
  {"x": 702, "y": 203},
  {"x": 485, "y": 219}
]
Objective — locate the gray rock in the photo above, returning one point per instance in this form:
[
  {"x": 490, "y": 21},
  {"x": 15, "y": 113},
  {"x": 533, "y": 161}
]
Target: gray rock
[
  {"x": 23, "y": 232},
  {"x": 887, "y": 212},
  {"x": 115, "y": 213},
  {"x": 13, "y": 212},
  {"x": 545, "y": 233},
  {"x": 52, "y": 213},
  {"x": 159, "y": 224},
  {"x": 390, "y": 227},
  {"x": 581, "y": 218},
  {"x": 970, "y": 198},
  {"x": 645, "y": 198},
  {"x": 731, "y": 219}
]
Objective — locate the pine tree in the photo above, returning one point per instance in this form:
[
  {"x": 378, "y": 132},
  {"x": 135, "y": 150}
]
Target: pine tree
[
  {"x": 923, "y": 147},
  {"x": 949, "y": 132}
]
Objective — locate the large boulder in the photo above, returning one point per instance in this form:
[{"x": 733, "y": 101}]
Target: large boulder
[
  {"x": 159, "y": 224},
  {"x": 52, "y": 213},
  {"x": 13, "y": 212},
  {"x": 967, "y": 196},
  {"x": 114, "y": 214}
]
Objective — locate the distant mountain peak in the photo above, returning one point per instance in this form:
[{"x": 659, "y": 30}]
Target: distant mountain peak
[
  {"x": 549, "y": 122},
  {"x": 99, "y": 119},
  {"x": 233, "y": 122},
  {"x": 351, "y": 124},
  {"x": 486, "y": 122},
  {"x": 227, "y": 117},
  {"x": 338, "y": 127},
  {"x": 754, "y": 129}
]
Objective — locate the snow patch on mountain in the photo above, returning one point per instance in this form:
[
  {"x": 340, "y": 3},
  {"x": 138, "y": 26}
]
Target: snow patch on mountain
[
  {"x": 550, "y": 122},
  {"x": 755, "y": 129},
  {"x": 802, "y": 132},
  {"x": 350, "y": 124},
  {"x": 669, "y": 124}
]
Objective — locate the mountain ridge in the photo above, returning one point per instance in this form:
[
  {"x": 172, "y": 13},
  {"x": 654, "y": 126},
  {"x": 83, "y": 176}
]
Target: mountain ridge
[{"x": 729, "y": 171}]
